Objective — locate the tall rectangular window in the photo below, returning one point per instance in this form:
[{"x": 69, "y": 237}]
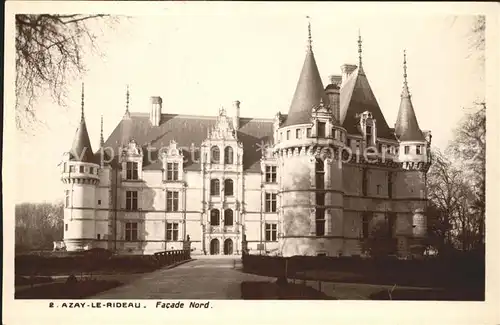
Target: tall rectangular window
[
  {"x": 389, "y": 185},
  {"x": 67, "y": 198},
  {"x": 419, "y": 150},
  {"x": 391, "y": 222},
  {"x": 270, "y": 202},
  {"x": 320, "y": 221},
  {"x": 172, "y": 171},
  {"x": 364, "y": 185},
  {"x": 308, "y": 132},
  {"x": 71, "y": 169},
  {"x": 288, "y": 135},
  {"x": 131, "y": 200},
  {"x": 271, "y": 232},
  {"x": 132, "y": 170},
  {"x": 366, "y": 225},
  {"x": 369, "y": 136},
  {"x": 407, "y": 150},
  {"x": 172, "y": 201},
  {"x": 320, "y": 174},
  {"x": 270, "y": 174},
  {"x": 172, "y": 231},
  {"x": 131, "y": 231},
  {"x": 321, "y": 129},
  {"x": 348, "y": 143},
  {"x": 65, "y": 167},
  {"x": 320, "y": 199},
  {"x": 214, "y": 187},
  {"x": 298, "y": 133},
  {"x": 82, "y": 169}
]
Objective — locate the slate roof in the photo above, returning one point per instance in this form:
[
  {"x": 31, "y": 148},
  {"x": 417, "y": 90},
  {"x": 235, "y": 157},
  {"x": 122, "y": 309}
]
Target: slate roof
[
  {"x": 81, "y": 149},
  {"x": 356, "y": 96},
  {"x": 407, "y": 128},
  {"x": 187, "y": 130},
  {"x": 308, "y": 93}
]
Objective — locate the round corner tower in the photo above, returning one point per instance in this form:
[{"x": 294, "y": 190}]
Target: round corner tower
[
  {"x": 307, "y": 143},
  {"x": 79, "y": 174},
  {"x": 414, "y": 156}
]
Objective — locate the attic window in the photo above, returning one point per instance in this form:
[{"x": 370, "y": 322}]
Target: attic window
[{"x": 321, "y": 129}]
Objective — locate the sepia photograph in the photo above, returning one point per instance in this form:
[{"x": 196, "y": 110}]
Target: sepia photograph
[{"x": 186, "y": 156}]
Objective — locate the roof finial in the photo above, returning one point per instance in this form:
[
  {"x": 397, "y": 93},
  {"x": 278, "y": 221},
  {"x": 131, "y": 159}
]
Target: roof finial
[
  {"x": 360, "y": 49},
  {"x": 102, "y": 131},
  {"x": 128, "y": 100},
  {"x": 406, "y": 91},
  {"x": 309, "y": 38},
  {"x": 83, "y": 101}
]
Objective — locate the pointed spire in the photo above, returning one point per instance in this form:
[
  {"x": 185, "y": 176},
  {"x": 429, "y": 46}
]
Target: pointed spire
[
  {"x": 406, "y": 91},
  {"x": 102, "y": 131},
  {"x": 83, "y": 102},
  {"x": 309, "y": 37},
  {"x": 309, "y": 91},
  {"x": 127, "y": 102},
  {"x": 81, "y": 150},
  {"x": 407, "y": 128},
  {"x": 360, "y": 51}
]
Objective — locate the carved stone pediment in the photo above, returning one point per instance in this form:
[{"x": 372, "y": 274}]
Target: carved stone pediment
[{"x": 132, "y": 149}]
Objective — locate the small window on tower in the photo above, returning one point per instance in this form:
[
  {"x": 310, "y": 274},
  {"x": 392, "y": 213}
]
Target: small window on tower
[
  {"x": 66, "y": 227},
  {"x": 321, "y": 129},
  {"x": 419, "y": 150},
  {"x": 309, "y": 131},
  {"x": 298, "y": 133},
  {"x": 82, "y": 169},
  {"x": 288, "y": 135},
  {"x": 98, "y": 202},
  {"x": 407, "y": 150}
]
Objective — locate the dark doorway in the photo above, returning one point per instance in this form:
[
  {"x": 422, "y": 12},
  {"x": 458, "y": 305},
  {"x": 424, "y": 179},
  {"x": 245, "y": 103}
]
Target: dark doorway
[
  {"x": 214, "y": 247},
  {"x": 228, "y": 247}
]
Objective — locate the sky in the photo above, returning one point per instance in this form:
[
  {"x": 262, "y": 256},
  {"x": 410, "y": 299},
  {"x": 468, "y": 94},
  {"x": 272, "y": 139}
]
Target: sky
[{"x": 198, "y": 62}]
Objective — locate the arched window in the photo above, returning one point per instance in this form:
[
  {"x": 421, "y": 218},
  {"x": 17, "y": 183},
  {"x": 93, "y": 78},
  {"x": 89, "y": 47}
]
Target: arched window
[
  {"x": 214, "y": 217},
  {"x": 215, "y": 155},
  {"x": 214, "y": 187},
  {"x": 228, "y": 187},
  {"x": 228, "y": 155},
  {"x": 228, "y": 217}
]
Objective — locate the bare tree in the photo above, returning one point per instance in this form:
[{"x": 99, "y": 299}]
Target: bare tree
[{"x": 49, "y": 52}]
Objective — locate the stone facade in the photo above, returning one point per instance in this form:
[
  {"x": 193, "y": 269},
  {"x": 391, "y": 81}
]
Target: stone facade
[{"x": 299, "y": 184}]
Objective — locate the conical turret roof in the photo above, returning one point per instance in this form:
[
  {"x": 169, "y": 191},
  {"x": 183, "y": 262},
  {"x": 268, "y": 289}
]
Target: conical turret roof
[
  {"x": 308, "y": 93},
  {"x": 81, "y": 150},
  {"x": 356, "y": 97},
  {"x": 407, "y": 128}
]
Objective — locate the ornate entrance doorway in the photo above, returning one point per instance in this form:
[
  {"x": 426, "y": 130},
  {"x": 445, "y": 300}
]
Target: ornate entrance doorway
[
  {"x": 214, "y": 246},
  {"x": 228, "y": 247}
]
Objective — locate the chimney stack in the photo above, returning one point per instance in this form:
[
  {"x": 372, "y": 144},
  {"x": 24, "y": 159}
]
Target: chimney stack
[
  {"x": 155, "y": 114},
  {"x": 333, "y": 93},
  {"x": 347, "y": 70},
  {"x": 235, "y": 114}
]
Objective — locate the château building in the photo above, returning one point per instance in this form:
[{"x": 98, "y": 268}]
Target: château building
[{"x": 320, "y": 180}]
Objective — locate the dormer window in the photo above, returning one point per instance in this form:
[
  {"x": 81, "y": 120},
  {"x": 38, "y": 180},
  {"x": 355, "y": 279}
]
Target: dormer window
[
  {"x": 321, "y": 129},
  {"x": 369, "y": 136},
  {"x": 215, "y": 154},
  {"x": 172, "y": 171},
  {"x": 132, "y": 170},
  {"x": 228, "y": 155}
]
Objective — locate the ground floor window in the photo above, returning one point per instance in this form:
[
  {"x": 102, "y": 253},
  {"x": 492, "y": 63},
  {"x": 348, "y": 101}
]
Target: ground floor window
[
  {"x": 271, "y": 231},
  {"x": 172, "y": 231},
  {"x": 131, "y": 231}
]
